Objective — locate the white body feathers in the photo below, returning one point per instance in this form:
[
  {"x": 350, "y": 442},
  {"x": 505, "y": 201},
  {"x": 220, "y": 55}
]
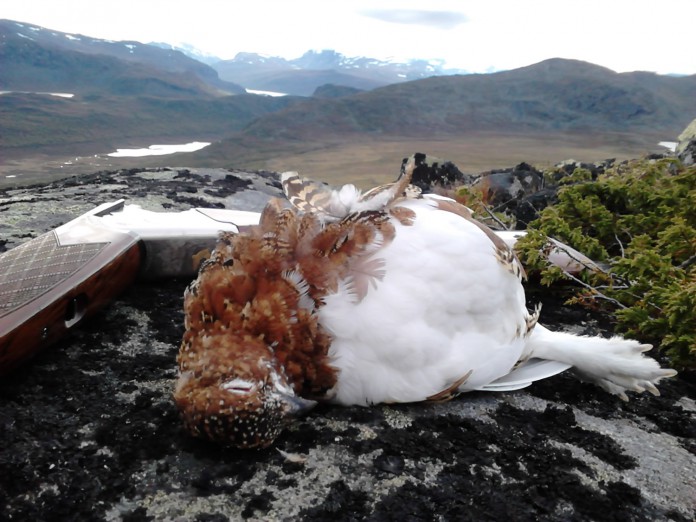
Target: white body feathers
[
  {"x": 448, "y": 311},
  {"x": 445, "y": 307}
]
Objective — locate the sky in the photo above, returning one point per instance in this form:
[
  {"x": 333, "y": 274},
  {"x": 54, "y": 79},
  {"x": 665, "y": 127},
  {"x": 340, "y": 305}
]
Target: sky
[{"x": 474, "y": 35}]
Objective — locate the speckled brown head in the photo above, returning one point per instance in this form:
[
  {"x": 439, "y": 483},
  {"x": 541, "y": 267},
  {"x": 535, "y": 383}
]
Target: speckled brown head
[
  {"x": 244, "y": 403},
  {"x": 253, "y": 345}
]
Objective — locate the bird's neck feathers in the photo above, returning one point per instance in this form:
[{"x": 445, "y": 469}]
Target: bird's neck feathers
[
  {"x": 267, "y": 283},
  {"x": 252, "y": 287}
]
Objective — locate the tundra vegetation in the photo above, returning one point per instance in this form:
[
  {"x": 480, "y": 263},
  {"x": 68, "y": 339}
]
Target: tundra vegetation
[{"x": 638, "y": 221}]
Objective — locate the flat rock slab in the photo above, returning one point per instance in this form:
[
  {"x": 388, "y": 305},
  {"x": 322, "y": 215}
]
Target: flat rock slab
[{"x": 88, "y": 430}]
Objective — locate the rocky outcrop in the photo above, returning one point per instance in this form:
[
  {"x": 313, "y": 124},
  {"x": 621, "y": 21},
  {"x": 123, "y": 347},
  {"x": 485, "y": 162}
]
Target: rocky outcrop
[
  {"x": 432, "y": 174},
  {"x": 567, "y": 167},
  {"x": 686, "y": 147},
  {"x": 521, "y": 192},
  {"x": 89, "y": 430},
  {"x": 518, "y": 191},
  {"x": 524, "y": 191}
]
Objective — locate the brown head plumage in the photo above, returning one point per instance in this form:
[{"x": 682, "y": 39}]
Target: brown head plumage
[
  {"x": 235, "y": 397},
  {"x": 246, "y": 315},
  {"x": 253, "y": 345}
]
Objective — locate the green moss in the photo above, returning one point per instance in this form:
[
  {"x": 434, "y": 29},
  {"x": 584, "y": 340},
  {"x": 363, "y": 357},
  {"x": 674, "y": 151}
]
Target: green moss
[{"x": 639, "y": 218}]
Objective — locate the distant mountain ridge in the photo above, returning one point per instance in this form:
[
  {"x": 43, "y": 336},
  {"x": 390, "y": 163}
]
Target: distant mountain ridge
[
  {"x": 303, "y": 75},
  {"x": 553, "y": 95},
  {"x": 124, "y": 92},
  {"x": 190, "y": 51},
  {"x": 36, "y": 58},
  {"x": 129, "y": 92}
]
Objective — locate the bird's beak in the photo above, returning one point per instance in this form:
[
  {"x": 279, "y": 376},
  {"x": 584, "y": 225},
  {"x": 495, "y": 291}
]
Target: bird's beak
[{"x": 296, "y": 406}]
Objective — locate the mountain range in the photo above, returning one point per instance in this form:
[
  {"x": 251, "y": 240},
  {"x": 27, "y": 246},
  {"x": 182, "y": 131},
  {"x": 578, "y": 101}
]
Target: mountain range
[
  {"x": 129, "y": 93},
  {"x": 38, "y": 59},
  {"x": 303, "y": 75},
  {"x": 553, "y": 95}
]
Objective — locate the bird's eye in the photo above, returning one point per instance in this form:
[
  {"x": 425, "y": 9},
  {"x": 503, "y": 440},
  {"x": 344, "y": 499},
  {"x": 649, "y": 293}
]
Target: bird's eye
[{"x": 239, "y": 386}]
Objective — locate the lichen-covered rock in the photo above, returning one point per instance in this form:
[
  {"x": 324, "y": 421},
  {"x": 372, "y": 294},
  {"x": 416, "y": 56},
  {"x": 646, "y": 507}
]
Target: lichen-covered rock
[
  {"x": 567, "y": 167},
  {"x": 88, "y": 430}
]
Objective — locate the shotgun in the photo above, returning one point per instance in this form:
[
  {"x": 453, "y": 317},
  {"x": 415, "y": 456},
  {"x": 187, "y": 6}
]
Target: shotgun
[{"x": 53, "y": 282}]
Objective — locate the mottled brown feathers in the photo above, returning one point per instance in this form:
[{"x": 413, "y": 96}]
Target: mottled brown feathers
[
  {"x": 266, "y": 283},
  {"x": 307, "y": 195},
  {"x": 321, "y": 200},
  {"x": 403, "y": 215},
  {"x": 208, "y": 408}
]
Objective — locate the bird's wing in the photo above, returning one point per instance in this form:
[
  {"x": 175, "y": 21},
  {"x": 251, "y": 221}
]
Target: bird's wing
[
  {"x": 334, "y": 204},
  {"x": 307, "y": 195}
]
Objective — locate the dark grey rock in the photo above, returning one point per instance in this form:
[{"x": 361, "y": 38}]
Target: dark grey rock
[
  {"x": 501, "y": 189},
  {"x": 88, "y": 430},
  {"x": 431, "y": 173},
  {"x": 524, "y": 191}
]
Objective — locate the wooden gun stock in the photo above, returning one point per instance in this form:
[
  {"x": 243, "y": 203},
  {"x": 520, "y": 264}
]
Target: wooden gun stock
[{"x": 50, "y": 283}]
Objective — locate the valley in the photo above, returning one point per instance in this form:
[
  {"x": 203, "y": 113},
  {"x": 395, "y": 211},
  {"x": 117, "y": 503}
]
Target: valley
[
  {"x": 364, "y": 162},
  {"x": 128, "y": 95},
  {"x": 367, "y": 163}
]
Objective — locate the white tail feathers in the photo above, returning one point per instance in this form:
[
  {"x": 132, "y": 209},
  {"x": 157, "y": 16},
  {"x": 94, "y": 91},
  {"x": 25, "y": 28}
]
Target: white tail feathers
[{"x": 615, "y": 364}]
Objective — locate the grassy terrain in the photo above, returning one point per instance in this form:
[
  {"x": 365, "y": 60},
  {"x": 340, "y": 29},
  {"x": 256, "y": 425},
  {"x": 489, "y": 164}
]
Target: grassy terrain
[
  {"x": 31, "y": 121},
  {"x": 367, "y": 163},
  {"x": 541, "y": 114},
  {"x": 358, "y": 160}
]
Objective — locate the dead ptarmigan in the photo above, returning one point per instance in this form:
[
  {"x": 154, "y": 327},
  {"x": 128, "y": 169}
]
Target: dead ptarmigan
[{"x": 353, "y": 298}]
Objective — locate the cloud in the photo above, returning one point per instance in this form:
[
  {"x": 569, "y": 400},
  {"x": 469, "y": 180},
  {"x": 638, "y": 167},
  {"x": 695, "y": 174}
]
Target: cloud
[{"x": 437, "y": 19}]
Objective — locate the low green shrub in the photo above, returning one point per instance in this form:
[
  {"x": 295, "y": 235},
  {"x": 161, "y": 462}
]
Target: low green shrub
[{"x": 638, "y": 220}]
